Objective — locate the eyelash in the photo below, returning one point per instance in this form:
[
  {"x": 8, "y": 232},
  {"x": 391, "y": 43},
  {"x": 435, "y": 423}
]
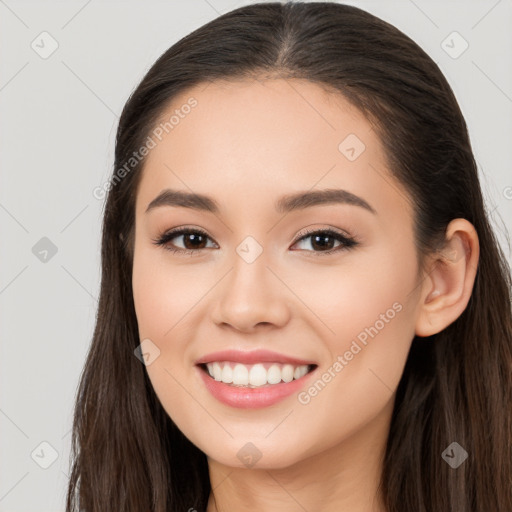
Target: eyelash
[{"x": 165, "y": 238}]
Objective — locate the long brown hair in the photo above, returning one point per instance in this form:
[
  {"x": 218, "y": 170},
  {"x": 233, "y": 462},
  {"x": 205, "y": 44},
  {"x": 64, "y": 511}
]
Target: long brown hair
[{"x": 127, "y": 453}]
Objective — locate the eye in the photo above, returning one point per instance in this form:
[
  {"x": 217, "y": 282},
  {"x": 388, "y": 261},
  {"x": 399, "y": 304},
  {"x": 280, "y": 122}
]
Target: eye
[
  {"x": 193, "y": 239},
  {"x": 324, "y": 239}
]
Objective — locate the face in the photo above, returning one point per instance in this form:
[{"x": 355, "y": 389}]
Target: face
[{"x": 326, "y": 287}]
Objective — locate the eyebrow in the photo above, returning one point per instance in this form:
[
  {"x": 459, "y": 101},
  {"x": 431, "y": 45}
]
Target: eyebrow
[{"x": 287, "y": 203}]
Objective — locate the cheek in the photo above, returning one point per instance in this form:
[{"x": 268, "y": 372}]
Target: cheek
[
  {"x": 164, "y": 295},
  {"x": 371, "y": 313},
  {"x": 168, "y": 301},
  {"x": 366, "y": 289},
  {"x": 359, "y": 382},
  {"x": 164, "y": 300}
]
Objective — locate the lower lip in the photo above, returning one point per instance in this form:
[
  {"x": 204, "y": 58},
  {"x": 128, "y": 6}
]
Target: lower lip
[{"x": 252, "y": 398}]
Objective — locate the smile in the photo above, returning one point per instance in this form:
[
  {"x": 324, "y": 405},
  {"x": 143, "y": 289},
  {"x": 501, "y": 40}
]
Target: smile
[
  {"x": 256, "y": 375},
  {"x": 266, "y": 390}
]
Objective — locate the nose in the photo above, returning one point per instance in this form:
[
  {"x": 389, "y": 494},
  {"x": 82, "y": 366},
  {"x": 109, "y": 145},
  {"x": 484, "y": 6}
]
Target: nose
[{"x": 250, "y": 298}]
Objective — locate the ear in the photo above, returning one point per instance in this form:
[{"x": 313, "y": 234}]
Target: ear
[{"x": 448, "y": 285}]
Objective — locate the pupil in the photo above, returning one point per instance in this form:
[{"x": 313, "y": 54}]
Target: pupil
[
  {"x": 194, "y": 237},
  {"x": 323, "y": 244}
]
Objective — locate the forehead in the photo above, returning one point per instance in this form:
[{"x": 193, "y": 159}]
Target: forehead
[{"x": 258, "y": 139}]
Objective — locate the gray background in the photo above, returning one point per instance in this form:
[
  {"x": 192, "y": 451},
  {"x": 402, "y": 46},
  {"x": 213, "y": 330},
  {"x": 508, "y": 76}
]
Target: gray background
[{"x": 58, "y": 121}]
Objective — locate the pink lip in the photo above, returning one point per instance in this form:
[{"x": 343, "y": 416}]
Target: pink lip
[
  {"x": 252, "y": 398},
  {"x": 252, "y": 357}
]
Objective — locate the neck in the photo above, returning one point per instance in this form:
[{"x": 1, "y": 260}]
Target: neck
[{"x": 344, "y": 478}]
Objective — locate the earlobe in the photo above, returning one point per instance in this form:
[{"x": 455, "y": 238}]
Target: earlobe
[{"x": 448, "y": 286}]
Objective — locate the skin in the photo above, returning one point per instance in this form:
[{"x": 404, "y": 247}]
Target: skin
[{"x": 246, "y": 144}]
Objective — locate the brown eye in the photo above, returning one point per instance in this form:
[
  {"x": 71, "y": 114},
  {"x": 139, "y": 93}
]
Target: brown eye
[
  {"x": 193, "y": 240},
  {"x": 322, "y": 241}
]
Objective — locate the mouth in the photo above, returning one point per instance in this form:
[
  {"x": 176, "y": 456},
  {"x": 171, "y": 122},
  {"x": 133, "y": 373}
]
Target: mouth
[
  {"x": 251, "y": 376},
  {"x": 253, "y": 379}
]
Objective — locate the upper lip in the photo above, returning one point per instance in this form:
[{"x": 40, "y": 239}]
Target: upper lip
[{"x": 254, "y": 356}]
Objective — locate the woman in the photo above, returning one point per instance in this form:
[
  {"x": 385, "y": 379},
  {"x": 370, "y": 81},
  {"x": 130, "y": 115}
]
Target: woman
[{"x": 303, "y": 305}]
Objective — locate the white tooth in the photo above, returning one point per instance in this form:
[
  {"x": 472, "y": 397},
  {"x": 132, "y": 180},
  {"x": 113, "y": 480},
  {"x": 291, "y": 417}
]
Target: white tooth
[
  {"x": 274, "y": 374},
  {"x": 258, "y": 375},
  {"x": 240, "y": 375},
  {"x": 287, "y": 373},
  {"x": 227, "y": 374},
  {"x": 300, "y": 371},
  {"x": 217, "y": 371}
]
